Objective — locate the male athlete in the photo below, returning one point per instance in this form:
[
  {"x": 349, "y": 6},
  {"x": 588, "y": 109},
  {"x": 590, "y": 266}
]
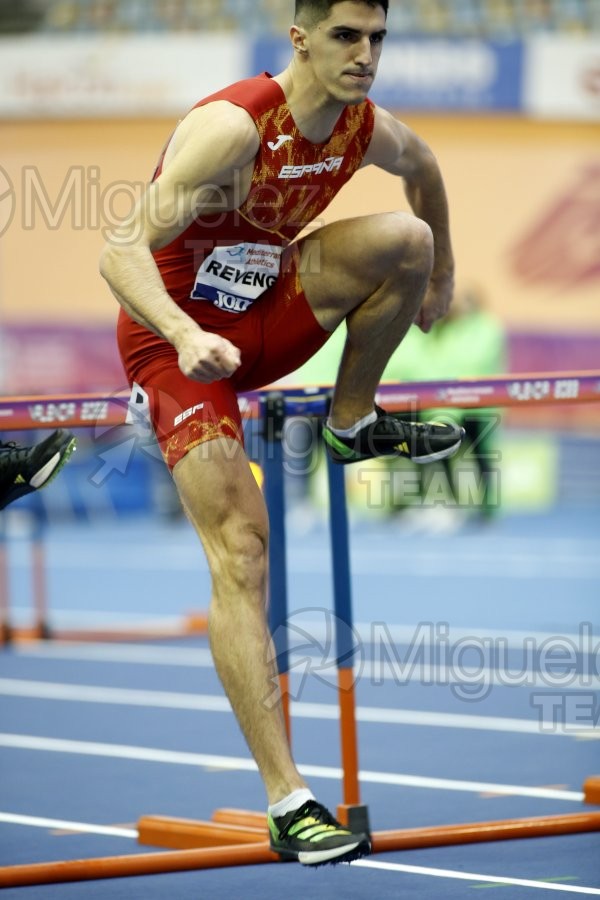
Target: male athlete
[{"x": 217, "y": 297}]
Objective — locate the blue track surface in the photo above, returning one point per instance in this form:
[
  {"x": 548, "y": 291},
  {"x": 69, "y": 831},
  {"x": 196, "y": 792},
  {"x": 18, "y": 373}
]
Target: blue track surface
[{"x": 443, "y": 624}]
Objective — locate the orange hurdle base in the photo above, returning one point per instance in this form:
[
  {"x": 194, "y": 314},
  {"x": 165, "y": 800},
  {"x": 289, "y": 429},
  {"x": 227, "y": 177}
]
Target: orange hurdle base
[
  {"x": 479, "y": 832},
  {"x": 591, "y": 790},
  {"x": 140, "y": 864},
  {"x": 252, "y": 848},
  {"x": 193, "y": 624},
  {"x": 185, "y": 833}
]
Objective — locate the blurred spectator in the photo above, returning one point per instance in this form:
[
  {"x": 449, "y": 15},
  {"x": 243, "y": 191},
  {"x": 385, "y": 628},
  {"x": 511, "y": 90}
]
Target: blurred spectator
[
  {"x": 16, "y": 18},
  {"x": 63, "y": 16},
  {"x": 469, "y": 342},
  {"x": 435, "y": 16},
  {"x": 536, "y": 15},
  {"x": 499, "y": 19},
  {"x": 403, "y": 18},
  {"x": 100, "y": 15}
]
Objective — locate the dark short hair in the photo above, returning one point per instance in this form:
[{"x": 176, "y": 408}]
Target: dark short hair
[{"x": 313, "y": 11}]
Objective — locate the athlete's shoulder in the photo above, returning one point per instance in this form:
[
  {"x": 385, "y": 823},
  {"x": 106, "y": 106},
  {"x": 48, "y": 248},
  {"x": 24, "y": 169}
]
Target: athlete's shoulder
[
  {"x": 256, "y": 94},
  {"x": 210, "y": 142},
  {"x": 389, "y": 141}
]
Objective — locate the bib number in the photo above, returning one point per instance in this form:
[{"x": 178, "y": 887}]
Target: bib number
[{"x": 232, "y": 278}]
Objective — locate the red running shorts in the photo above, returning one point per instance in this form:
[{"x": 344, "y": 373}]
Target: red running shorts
[{"x": 275, "y": 336}]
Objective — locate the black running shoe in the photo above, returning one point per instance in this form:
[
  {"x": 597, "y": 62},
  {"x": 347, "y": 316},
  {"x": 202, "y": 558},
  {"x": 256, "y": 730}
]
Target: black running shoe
[
  {"x": 422, "y": 442},
  {"x": 26, "y": 469},
  {"x": 313, "y": 837}
]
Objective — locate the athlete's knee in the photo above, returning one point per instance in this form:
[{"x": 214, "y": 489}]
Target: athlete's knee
[
  {"x": 414, "y": 245},
  {"x": 239, "y": 558},
  {"x": 399, "y": 243}
]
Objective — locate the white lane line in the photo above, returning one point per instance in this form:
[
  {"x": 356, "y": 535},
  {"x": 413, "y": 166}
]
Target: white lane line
[
  {"x": 80, "y": 827},
  {"x": 41, "y": 690},
  {"x": 99, "y": 618},
  {"x": 471, "y": 876},
  {"x": 244, "y": 764},
  {"x": 390, "y": 667},
  {"x": 179, "y": 657}
]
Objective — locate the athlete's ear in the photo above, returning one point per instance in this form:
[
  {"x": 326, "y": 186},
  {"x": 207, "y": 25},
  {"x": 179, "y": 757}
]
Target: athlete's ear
[{"x": 298, "y": 38}]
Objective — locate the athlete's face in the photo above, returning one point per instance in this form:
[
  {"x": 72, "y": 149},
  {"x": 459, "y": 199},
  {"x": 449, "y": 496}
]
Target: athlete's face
[{"x": 344, "y": 49}]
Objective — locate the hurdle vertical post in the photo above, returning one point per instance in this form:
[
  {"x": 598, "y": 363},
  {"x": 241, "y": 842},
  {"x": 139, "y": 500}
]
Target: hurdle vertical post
[
  {"x": 273, "y": 419},
  {"x": 41, "y": 627},
  {"x": 5, "y": 626},
  {"x": 351, "y": 812}
]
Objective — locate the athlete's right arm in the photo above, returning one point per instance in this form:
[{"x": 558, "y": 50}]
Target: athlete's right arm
[{"x": 210, "y": 146}]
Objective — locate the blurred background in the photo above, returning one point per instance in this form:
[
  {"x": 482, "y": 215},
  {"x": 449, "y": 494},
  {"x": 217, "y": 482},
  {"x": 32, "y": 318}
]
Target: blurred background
[{"x": 507, "y": 94}]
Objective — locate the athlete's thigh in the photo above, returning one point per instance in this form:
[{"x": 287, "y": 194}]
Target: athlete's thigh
[
  {"x": 289, "y": 331},
  {"x": 199, "y": 431},
  {"x": 184, "y": 414},
  {"x": 343, "y": 263},
  {"x": 225, "y": 504}
]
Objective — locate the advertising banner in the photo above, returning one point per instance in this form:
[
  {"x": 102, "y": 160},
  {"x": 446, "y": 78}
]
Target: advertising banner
[
  {"x": 431, "y": 73},
  {"x": 45, "y": 76},
  {"x": 97, "y": 76},
  {"x": 51, "y": 358},
  {"x": 562, "y": 77}
]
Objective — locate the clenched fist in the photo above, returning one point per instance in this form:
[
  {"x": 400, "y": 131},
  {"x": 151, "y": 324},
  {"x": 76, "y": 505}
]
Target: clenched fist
[{"x": 207, "y": 357}]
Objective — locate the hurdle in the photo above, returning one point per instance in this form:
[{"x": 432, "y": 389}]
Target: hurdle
[
  {"x": 239, "y": 837},
  {"x": 105, "y": 411},
  {"x": 85, "y": 410},
  {"x": 41, "y": 629}
]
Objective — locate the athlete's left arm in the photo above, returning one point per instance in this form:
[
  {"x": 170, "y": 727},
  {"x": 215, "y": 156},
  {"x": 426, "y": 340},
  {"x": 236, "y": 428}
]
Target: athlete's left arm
[{"x": 397, "y": 149}]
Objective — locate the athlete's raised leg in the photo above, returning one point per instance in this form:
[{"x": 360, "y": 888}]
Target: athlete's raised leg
[{"x": 374, "y": 272}]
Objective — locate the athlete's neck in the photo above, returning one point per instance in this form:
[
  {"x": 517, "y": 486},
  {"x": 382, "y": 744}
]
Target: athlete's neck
[{"x": 314, "y": 111}]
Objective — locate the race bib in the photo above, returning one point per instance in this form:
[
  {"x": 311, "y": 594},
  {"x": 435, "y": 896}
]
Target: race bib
[{"x": 232, "y": 278}]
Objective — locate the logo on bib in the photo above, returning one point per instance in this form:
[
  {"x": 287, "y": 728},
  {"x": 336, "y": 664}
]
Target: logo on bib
[{"x": 231, "y": 303}]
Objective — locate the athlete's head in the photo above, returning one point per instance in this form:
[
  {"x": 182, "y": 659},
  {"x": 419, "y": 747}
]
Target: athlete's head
[
  {"x": 310, "y": 12},
  {"x": 338, "y": 44}
]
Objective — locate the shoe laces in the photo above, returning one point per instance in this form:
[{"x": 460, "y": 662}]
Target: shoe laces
[
  {"x": 312, "y": 810},
  {"x": 388, "y": 423}
]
